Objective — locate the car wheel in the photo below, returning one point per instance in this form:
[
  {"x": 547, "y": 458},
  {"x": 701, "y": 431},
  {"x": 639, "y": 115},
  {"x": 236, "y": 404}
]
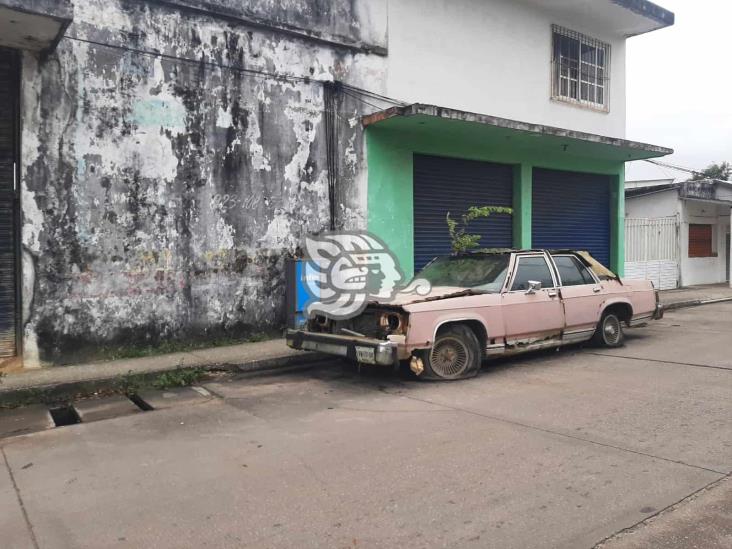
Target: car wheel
[
  {"x": 609, "y": 331},
  {"x": 454, "y": 355}
]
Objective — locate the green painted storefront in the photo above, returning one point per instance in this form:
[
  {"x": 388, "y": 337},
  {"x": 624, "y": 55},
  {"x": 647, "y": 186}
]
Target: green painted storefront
[{"x": 395, "y": 136}]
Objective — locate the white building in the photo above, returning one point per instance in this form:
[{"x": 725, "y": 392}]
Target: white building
[{"x": 678, "y": 234}]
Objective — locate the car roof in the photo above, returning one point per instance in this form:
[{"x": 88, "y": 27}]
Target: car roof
[{"x": 502, "y": 251}]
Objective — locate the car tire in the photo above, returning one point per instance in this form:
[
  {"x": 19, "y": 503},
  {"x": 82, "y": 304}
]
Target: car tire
[
  {"x": 609, "y": 332},
  {"x": 454, "y": 355}
]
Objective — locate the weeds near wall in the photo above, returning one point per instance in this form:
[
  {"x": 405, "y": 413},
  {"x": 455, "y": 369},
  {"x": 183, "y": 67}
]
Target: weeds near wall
[
  {"x": 131, "y": 383},
  {"x": 178, "y": 378}
]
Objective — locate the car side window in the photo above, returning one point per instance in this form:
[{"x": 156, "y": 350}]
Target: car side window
[
  {"x": 532, "y": 268},
  {"x": 571, "y": 271}
]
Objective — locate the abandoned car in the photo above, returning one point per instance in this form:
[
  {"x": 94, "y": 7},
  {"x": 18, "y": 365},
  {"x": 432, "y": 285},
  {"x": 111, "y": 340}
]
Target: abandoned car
[{"x": 486, "y": 304}]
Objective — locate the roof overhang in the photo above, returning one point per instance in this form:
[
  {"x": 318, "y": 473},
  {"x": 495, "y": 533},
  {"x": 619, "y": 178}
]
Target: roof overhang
[
  {"x": 492, "y": 130},
  {"x": 620, "y": 17},
  {"x": 35, "y": 25}
]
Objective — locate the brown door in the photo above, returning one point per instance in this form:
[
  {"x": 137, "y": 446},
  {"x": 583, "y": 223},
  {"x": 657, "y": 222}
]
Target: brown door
[{"x": 9, "y": 232}]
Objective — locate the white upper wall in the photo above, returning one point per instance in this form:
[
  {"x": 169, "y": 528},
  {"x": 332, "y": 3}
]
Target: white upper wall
[
  {"x": 659, "y": 204},
  {"x": 494, "y": 57}
]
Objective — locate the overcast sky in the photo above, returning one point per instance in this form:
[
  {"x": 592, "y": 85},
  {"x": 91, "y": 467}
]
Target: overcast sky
[{"x": 679, "y": 84}]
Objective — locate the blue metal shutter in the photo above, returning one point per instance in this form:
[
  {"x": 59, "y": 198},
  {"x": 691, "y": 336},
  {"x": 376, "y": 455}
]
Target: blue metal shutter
[
  {"x": 571, "y": 210},
  {"x": 443, "y": 185},
  {"x": 8, "y": 289}
]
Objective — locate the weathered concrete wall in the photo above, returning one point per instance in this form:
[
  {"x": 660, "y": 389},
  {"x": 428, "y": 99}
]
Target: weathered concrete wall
[
  {"x": 60, "y": 9},
  {"x": 358, "y": 24},
  {"x": 160, "y": 196}
]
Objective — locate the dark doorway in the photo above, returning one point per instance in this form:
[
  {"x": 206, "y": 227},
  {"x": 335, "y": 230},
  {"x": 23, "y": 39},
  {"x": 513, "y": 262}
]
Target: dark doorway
[{"x": 9, "y": 204}]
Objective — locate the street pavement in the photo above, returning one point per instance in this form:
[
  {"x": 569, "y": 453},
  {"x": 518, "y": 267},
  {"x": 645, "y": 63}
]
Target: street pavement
[{"x": 625, "y": 448}]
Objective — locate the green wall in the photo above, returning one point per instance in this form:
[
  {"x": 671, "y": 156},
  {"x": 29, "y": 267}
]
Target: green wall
[{"x": 390, "y": 155}]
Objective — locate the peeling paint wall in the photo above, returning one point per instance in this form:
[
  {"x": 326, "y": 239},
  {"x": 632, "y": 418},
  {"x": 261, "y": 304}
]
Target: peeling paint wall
[{"x": 160, "y": 197}]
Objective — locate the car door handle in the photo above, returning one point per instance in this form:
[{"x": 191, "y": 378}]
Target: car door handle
[
  {"x": 552, "y": 293},
  {"x": 596, "y": 290}
]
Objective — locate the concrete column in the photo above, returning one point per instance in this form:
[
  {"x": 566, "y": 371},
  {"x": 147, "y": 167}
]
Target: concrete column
[
  {"x": 617, "y": 222},
  {"x": 522, "y": 185}
]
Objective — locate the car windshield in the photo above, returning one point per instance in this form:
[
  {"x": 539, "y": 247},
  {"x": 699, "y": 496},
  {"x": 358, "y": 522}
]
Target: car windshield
[{"x": 485, "y": 273}]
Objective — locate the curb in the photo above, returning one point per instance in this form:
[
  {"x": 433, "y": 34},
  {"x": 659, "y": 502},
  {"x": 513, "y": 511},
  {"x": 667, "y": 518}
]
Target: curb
[
  {"x": 693, "y": 303},
  {"x": 63, "y": 391}
]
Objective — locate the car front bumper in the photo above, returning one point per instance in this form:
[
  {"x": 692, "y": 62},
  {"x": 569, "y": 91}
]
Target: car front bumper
[{"x": 358, "y": 349}]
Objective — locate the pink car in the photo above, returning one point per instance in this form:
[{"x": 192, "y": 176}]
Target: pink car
[{"x": 488, "y": 304}]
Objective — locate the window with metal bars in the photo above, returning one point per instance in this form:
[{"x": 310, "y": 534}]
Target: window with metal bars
[{"x": 580, "y": 69}]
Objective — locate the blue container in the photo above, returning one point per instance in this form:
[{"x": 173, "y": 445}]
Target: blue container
[{"x": 297, "y": 292}]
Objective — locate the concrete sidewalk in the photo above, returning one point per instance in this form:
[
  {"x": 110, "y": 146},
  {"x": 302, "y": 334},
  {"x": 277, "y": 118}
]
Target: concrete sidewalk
[
  {"x": 245, "y": 357},
  {"x": 695, "y": 295}
]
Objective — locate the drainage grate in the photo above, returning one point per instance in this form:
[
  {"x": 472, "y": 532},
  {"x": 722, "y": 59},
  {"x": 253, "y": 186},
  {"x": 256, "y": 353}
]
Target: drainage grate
[
  {"x": 64, "y": 415},
  {"x": 141, "y": 404}
]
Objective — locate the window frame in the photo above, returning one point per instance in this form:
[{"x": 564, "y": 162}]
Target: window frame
[
  {"x": 515, "y": 267},
  {"x": 576, "y": 259},
  {"x": 597, "y": 72}
]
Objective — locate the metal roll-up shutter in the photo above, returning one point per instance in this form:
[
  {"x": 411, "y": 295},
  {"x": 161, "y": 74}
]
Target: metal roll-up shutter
[
  {"x": 8, "y": 290},
  {"x": 571, "y": 210},
  {"x": 443, "y": 185}
]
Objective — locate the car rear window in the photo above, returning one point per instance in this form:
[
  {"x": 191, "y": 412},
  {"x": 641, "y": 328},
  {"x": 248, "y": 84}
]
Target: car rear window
[{"x": 571, "y": 271}]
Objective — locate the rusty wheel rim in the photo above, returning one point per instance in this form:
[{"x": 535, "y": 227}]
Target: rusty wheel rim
[
  {"x": 449, "y": 357},
  {"x": 611, "y": 330}
]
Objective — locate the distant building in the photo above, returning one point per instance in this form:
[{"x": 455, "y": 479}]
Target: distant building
[
  {"x": 678, "y": 234},
  {"x": 643, "y": 183}
]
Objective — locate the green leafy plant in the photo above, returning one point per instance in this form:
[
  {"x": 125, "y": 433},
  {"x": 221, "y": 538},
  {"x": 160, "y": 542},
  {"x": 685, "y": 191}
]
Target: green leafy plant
[
  {"x": 461, "y": 240},
  {"x": 132, "y": 383},
  {"x": 181, "y": 377},
  {"x": 129, "y": 383}
]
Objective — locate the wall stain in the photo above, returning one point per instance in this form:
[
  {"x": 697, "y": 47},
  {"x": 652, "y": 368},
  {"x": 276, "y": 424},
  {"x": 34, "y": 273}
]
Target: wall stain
[{"x": 155, "y": 222}]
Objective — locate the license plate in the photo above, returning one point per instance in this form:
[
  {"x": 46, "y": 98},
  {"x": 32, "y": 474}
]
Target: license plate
[{"x": 365, "y": 355}]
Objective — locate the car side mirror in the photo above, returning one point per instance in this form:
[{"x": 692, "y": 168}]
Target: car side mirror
[{"x": 534, "y": 286}]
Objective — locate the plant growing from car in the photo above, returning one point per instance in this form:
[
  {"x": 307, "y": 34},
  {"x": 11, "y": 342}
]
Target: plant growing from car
[{"x": 460, "y": 239}]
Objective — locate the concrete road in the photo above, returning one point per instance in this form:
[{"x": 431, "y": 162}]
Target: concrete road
[{"x": 558, "y": 449}]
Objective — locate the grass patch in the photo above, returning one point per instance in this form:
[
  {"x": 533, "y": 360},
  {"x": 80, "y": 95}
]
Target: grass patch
[
  {"x": 131, "y": 383},
  {"x": 178, "y": 378}
]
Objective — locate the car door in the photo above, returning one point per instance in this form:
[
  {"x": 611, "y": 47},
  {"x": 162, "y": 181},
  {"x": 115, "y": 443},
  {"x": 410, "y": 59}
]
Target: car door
[
  {"x": 582, "y": 296},
  {"x": 531, "y": 316}
]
